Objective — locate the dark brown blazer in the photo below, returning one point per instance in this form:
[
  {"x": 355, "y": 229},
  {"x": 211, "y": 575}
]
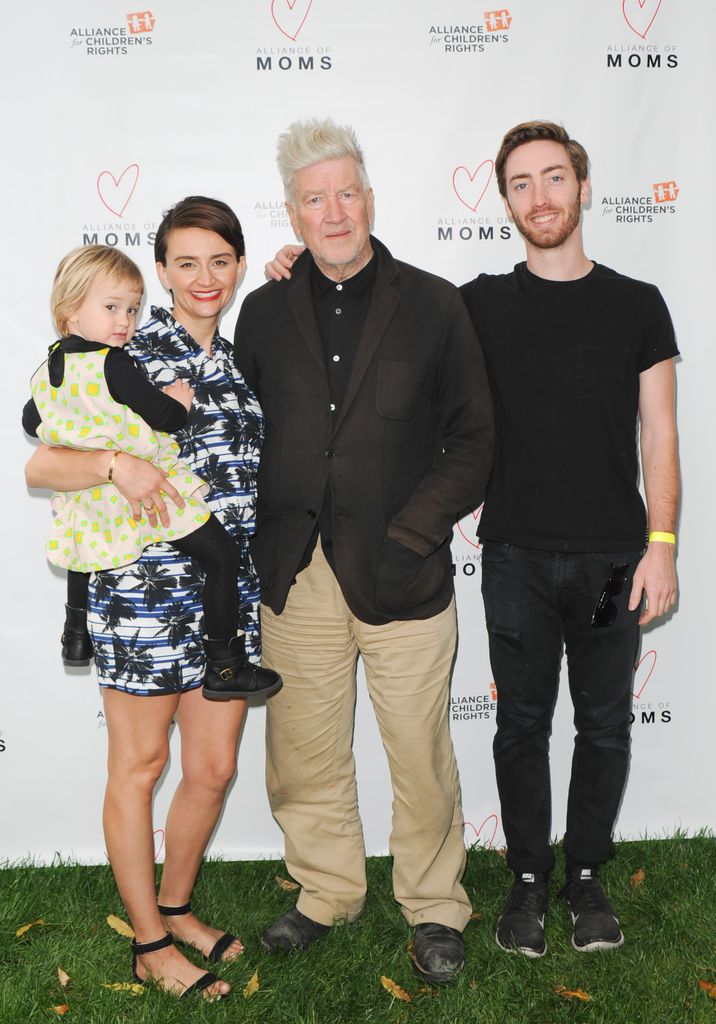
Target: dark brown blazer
[{"x": 411, "y": 449}]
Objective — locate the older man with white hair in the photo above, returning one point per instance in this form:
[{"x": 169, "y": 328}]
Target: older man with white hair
[{"x": 379, "y": 436}]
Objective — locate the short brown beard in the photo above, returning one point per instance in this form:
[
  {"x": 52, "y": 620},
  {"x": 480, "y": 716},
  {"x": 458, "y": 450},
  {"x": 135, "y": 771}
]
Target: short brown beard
[{"x": 550, "y": 239}]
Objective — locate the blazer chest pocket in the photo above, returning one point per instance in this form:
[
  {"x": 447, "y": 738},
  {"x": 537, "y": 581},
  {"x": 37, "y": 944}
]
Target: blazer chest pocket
[{"x": 399, "y": 389}]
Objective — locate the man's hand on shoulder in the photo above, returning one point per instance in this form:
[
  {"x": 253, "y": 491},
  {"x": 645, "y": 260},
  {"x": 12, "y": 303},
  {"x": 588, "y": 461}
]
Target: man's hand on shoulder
[{"x": 655, "y": 577}]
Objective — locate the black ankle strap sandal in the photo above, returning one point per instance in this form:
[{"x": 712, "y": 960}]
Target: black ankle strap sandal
[
  {"x": 141, "y": 948},
  {"x": 220, "y": 946}
]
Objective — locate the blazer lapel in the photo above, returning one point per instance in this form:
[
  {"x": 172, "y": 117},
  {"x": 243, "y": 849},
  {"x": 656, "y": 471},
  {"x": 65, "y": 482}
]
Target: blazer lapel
[{"x": 300, "y": 301}]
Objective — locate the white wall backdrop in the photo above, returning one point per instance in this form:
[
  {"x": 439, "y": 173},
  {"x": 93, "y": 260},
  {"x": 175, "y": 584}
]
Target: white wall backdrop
[{"x": 111, "y": 114}]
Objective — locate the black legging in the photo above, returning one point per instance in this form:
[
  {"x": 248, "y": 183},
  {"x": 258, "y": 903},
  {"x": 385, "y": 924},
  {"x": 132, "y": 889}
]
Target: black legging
[{"x": 218, "y": 555}]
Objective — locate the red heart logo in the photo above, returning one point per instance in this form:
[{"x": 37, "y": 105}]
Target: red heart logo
[
  {"x": 470, "y": 188},
  {"x": 289, "y": 15},
  {"x": 158, "y": 836},
  {"x": 488, "y": 828},
  {"x": 471, "y": 521},
  {"x": 643, "y": 673},
  {"x": 115, "y": 193},
  {"x": 640, "y": 14}
]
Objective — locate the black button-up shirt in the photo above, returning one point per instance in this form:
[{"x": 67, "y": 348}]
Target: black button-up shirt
[{"x": 341, "y": 308}]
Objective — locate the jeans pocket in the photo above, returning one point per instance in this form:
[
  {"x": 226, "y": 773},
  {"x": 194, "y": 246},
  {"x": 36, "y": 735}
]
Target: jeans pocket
[{"x": 499, "y": 593}]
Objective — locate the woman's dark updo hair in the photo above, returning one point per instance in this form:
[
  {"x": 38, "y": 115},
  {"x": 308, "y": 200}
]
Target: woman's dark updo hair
[{"x": 200, "y": 212}]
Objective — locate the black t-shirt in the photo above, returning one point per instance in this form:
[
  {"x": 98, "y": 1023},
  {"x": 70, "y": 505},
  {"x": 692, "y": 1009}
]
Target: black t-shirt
[{"x": 564, "y": 359}]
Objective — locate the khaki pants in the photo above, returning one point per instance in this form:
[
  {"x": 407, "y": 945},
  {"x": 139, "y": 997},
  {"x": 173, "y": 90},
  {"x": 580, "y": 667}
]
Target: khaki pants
[{"x": 310, "y": 771}]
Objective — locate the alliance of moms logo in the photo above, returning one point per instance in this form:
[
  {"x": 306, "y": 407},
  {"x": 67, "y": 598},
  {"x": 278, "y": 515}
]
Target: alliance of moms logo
[
  {"x": 473, "y": 36},
  {"x": 647, "y": 708},
  {"x": 289, "y": 19},
  {"x": 483, "y": 834},
  {"x": 466, "y": 548},
  {"x": 639, "y": 20},
  {"x": 469, "y": 192},
  {"x": 115, "y": 192},
  {"x": 643, "y": 206},
  {"x": 116, "y": 40}
]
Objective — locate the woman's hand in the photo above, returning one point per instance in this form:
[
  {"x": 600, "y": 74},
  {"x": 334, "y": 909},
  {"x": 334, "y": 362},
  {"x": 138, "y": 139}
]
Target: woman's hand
[
  {"x": 280, "y": 266},
  {"x": 145, "y": 487},
  {"x": 70, "y": 469},
  {"x": 181, "y": 392}
]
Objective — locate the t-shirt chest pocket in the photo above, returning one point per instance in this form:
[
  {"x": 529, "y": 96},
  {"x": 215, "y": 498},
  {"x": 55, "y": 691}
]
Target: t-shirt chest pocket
[
  {"x": 399, "y": 389},
  {"x": 600, "y": 372}
]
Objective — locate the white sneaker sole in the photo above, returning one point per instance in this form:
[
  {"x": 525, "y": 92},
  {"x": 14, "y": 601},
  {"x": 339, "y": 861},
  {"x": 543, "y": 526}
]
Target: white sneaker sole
[{"x": 527, "y": 951}]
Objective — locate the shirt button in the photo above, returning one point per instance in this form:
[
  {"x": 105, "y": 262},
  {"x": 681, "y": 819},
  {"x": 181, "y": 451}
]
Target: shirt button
[
  {"x": 329, "y": 453},
  {"x": 310, "y": 513},
  {"x": 339, "y": 287},
  {"x": 336, "y": 359},
  {"x": 333, "y": 408},
  {"x": 339, "y": 311}
]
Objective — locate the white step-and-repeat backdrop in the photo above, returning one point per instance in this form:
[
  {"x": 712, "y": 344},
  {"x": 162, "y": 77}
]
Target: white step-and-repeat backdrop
[{"x": 111, "y": 114}]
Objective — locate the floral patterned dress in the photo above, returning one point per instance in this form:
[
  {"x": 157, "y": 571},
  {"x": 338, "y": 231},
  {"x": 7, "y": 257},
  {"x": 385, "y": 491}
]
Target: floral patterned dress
[{"x": 146, "y": 618}]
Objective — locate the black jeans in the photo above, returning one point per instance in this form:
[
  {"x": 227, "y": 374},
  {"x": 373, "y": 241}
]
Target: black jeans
[{"x": 536, "y": 603}]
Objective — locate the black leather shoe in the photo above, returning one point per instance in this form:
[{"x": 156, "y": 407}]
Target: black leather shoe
[
  {"x": 230, "y": 674},
  {"x": 76, "y": 644},
  {"x": 438, "y": 953},
  {"x": 293, "y": 931}
]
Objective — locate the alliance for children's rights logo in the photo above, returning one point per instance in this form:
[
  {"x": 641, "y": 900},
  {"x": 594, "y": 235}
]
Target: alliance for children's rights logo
[
  {"x": 474, "y": 37},
  {"x": 639, "y": 20},
  {"x": 470, "y": 185},
  {"x": 115, "y": 40},
  {"x": 272, "y": 213},
  {"x": 644, "y": 206},
  {"x": 474, "y": 706},
  {"x": 115, "y": 192},
  {"x": 289, "y": 19},
  {"x": 645, "y": 710}
]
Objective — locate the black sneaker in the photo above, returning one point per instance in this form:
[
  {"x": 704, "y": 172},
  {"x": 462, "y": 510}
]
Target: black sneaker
[
  {"x": 595, "y": 923},
  {"x": 520, "y": 928}
]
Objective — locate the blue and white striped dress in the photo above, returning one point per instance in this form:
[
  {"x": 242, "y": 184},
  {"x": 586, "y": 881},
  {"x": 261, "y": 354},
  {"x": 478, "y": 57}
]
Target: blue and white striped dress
[{"x": 146, "y": 618}]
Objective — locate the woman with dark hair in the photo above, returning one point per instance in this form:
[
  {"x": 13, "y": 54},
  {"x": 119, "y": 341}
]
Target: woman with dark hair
[{"x": 145, "y": 618}]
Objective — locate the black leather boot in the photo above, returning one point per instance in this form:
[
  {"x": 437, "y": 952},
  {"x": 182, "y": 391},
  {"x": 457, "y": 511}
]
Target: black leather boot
[
  {"x": 76, "y": 644},
  {"x": 229, "y": 673}
]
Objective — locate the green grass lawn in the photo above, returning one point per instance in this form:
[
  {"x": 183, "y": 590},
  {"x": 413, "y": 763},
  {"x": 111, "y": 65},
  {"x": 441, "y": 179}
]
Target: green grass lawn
[{"x": 669, "y": 921}]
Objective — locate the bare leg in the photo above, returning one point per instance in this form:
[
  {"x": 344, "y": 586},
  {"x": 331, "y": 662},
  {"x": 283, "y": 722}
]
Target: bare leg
[
  {"x": 138, "y": 749},
  {"x": 209, "y": 740}
]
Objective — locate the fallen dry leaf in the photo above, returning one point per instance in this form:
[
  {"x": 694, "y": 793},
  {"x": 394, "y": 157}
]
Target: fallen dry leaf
[
  {"x": 572, "y": 993},
  {"x": 120, "y": 926},
  {"x": 708, "y": 987},
  {"x": 61, "y": 1010},
  {"x": 26, "y": 927},
  {"x": 502, "y": 852},
  {"x": 395, "y": 990},
  {"x": 473, "y": 984},
  {"x": 125, "y": 986},
  {"x": 475, "y": 916},
  {"x": 411, "y": 955},
  {"x": 63, "y": 977},
  {"x": 252, "y": 987},
  {"x": 637, "y": 878},
  {"x": 285, "y": 884}
]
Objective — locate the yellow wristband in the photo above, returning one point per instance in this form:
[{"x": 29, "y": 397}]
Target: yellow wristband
[
  {"x": 665, "y": 538},
  {"x": 112, "y": 464}
]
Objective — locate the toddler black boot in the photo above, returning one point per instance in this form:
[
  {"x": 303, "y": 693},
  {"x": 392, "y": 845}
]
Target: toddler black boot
[
  {"x": 230, "y": 674},
  {"x": 76, "y": 644}
]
